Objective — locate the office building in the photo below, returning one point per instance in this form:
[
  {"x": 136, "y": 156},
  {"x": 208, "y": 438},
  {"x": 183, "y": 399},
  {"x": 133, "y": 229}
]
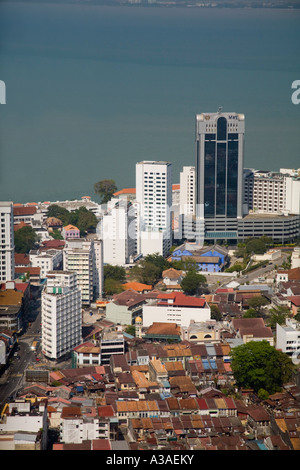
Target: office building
[
  {"x": 232, "y": 203},
  {"x": 61, "y": 314},
  {"x": 7, "y": 264},
  {"x": 219, "y": 173}
]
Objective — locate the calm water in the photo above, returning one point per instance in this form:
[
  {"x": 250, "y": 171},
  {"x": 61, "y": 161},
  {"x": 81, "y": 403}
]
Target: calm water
[{"x": 93, "y": 90}]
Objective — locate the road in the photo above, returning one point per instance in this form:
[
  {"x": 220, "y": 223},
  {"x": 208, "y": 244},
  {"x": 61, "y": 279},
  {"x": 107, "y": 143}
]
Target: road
[
  {"x": 13, "y": 377},
  {"x": 261, "y": 272}
]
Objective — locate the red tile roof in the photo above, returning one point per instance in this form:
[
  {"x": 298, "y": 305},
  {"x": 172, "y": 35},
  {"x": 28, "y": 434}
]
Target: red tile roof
[
  {"x": 20, "y": 225},
  {"x": 105, "y": 410},
  {"x": 137, "y": 286},
  {"x": 125, "y": 191},
  {"x": 24, "y": 210},
  {"x": 295, "y": 299},
  {"x": 181, "y": 300},
  {"x": 101, "y": 444},
  {"x": 21, "y": 258}
]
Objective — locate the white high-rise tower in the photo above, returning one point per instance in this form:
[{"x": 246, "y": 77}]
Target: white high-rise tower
[
  {"x": 7, "y": 262},
  {"x": 154, "y": 199},
  {"x": 61, "y": 314}
]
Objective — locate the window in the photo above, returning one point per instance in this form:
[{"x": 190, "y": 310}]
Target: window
[{"x": 222, "y": 128}]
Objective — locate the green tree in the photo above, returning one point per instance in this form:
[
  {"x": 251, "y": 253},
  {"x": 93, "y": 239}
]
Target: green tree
[
  {"x": 130, "y": 330},
  {"x": 105, "y": 190},
  {"x": 59, "y": 212},
  {"x": 257, "y": 302},
  {"x": 192, "y": 282},
  {"x": 238, "y": 267},
  {"x": 258, "y": 365},
  {"x": 215, "y": 313},
  {"x": 85, "y": 220},
  {"x": 262, "y": 394},
  {"x": 117, "y": 273},
  {"x": 297, "y": 316},
  {"x": 250, "y": 313},
  {"x": 112, "y": 286},
  {"x": 277, "y": 315},
  {"x": 25, "y": 239},
  {"x": 82, "y": 218},
  {"x": 256, "y": 245},
  {"x": 145, "y": 272},
  {"x": 158, "y": 261},
  {"x": 56, "y": 234}
]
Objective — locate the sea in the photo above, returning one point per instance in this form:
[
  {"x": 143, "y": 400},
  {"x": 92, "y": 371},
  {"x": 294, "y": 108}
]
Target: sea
[{"x": 91, "y": 90}]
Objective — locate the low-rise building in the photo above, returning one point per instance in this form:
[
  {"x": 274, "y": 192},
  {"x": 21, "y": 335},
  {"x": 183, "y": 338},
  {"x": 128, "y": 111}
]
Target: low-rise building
[
  {"x": 203, "y": 332},
  {"x": 125, "y": 307},
  {"x": 48, "y": 260},
  {"x": 11, "y": 310},
  {"x": 78, "y": 426},
  {"x": 176, "y": 307},
  {"x": 288, "y": 337},
  {"x": 112, "y": 343},
  {"x": 172, "y": 278},
  {"x": 70, "y": 231},
  {"x": 252, "y": 329},
  {"x": 26, "y": 418},
  {"x": 87, "y": 354}
]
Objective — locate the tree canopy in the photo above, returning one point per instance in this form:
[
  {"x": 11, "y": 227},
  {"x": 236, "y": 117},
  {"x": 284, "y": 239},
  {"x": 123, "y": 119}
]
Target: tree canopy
[
  {"x": 159, "y": 261},
  {"x": 117, "y": 273},
  {"x": 82, "y": 218},
  {"x": 259, "y": 366},
  {"x": 253, "y": 245},
  {"x": 257, "y": 301},
  {"x": 277, "y": 315},
  {"x": 112, "y": 286},
  {"x": 59, "y": 212},
  {"x": 192, "y": 282},
  {"x": 105, "y": 189},
  {"x": 25, "y": 239},
  {"x": 145, "y": 272}
]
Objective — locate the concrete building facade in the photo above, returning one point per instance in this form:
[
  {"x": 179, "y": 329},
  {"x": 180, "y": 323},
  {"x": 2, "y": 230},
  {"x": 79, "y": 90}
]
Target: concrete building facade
[
  {"x": 7, "y": 272},
  {"x": 61, "y": 314}
]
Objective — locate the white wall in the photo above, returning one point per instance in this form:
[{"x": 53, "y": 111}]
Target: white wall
[
  {"x": 180, "y": 315},
  {"x": 187, "y": 190},
  {"x": 292, "y": 195}
]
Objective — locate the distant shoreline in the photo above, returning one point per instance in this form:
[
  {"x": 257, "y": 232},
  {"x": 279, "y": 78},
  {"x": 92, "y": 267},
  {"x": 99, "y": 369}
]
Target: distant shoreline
[{"x": 217, "y": 4}]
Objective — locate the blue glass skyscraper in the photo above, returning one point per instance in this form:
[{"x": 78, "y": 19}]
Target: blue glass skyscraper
[{"x": 219, "y": 173}]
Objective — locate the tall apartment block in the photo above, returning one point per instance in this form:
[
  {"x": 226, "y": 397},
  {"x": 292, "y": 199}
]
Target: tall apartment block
[
  {"x": 154, "y": 199},
  {"x": 98, "y": 274},
  {"x": 61, "y": 314},
  {"x": 187, "y": 190},
  {"x": 79, "y": 256},
  {"x": 271, "y": 192},
  {"x": 118, "y": 232},
  {"x": 187, "y": 202},
  {"x": 7, "y": 264}
]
